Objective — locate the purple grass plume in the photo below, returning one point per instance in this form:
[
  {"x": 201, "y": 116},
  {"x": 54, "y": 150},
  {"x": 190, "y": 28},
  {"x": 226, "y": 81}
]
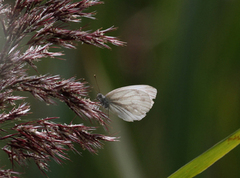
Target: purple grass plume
[{"x": 31, "y": 28}]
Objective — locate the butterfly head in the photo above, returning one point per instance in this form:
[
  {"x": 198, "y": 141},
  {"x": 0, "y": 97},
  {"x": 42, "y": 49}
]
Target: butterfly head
[{"x": 103, "y": 100}]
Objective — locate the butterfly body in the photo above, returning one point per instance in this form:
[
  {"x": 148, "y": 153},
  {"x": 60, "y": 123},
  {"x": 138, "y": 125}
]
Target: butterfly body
[
  {"x": 103, "y": 100},
  {"x": 131, "y": 102}
]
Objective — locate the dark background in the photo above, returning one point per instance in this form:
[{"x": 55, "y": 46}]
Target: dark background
[{"x": 188, "y": 50}]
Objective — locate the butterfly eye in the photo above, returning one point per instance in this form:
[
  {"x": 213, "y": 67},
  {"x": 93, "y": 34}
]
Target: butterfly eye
[{"x": 99, "y": 96}]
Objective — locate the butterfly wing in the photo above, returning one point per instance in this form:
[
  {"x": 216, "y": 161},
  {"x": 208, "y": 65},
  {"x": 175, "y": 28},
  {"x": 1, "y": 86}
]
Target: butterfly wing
[
  {"x": 151, "y": 91},
  {"x": 132, "y": 102}
]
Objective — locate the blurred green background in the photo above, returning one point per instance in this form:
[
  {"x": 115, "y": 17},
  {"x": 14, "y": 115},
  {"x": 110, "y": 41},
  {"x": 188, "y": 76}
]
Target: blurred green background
[{"x": 188, "y": 50}]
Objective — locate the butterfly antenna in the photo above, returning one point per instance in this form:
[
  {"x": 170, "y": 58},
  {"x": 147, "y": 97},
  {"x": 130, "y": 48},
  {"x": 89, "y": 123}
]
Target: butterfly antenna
[{"x": 95, "y": 76}]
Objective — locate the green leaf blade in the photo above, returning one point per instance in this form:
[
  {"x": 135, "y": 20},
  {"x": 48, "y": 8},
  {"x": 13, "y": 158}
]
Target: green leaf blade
[{"x": 205, "y": 160}]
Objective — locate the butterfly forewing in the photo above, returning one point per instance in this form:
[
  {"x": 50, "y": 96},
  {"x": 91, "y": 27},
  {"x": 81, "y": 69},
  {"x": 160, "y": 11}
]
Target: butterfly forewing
[{"x": 152, "y": 92}]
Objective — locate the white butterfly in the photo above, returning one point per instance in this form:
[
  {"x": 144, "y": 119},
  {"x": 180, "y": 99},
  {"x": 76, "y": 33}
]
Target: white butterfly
[{"x": 129, "y": 103}]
